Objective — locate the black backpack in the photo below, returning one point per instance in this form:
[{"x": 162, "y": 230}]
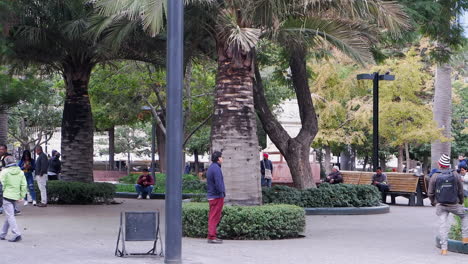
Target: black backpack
[{"x": 446, "y": 188}]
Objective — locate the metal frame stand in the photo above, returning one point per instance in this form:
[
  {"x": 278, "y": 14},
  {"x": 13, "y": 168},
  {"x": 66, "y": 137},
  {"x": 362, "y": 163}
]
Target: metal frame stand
[{"x": 122, "y": 237}]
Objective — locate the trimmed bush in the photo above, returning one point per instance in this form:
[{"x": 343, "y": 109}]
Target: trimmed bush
[
  {"x": 328, "y": 195},
  {"x": 190, "y": 183},
  {"x": 456, "y": 229},
  {"x": 245, "y": 222},
  {"x": 62, "y": 192}
]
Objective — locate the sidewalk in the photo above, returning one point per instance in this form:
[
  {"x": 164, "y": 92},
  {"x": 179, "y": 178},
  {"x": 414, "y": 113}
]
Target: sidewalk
[{"x": 87, "y": 234}]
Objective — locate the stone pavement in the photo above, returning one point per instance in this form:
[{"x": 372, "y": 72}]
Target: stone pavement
[{"x": 87, "y": 234}]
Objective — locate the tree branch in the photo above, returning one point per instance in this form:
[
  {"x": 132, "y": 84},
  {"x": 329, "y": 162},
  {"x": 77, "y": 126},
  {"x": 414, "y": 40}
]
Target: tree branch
[{"x": 196, "y": 129}]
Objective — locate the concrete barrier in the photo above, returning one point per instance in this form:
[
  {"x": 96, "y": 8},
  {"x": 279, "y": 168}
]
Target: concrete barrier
[{"x": 381, "y": 209}]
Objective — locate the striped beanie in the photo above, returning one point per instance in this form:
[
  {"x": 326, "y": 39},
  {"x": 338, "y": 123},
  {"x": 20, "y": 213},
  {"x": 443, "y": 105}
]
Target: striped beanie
[{"x": 444, "y": 161}]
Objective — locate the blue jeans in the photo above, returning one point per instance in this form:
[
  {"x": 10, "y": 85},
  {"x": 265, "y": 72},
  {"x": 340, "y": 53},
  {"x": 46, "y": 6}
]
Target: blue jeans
[
  {"x": 142, "y": 190},
  {"x": 30, "y": 181},
  {"x": 266, "y": 182}
]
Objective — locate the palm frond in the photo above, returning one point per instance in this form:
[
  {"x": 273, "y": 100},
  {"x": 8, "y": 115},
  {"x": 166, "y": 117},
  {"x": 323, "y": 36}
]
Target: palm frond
[
  {"x": 235, "y": 36},
  {"x": 351, "y": 38}
]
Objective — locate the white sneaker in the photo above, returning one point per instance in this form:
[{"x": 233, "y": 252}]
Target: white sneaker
[
  {"x": 139, "y": 197},
  {"x": 34, "y": 203},
  {"x": 148, "y": 197},
  {"x": 26, "y": 203}
]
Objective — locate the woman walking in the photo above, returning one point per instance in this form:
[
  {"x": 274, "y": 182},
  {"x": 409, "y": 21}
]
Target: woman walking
[{"x": 27, "y": 165}]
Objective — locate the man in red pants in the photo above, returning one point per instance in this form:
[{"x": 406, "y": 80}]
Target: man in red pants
[{"x": 215, "y": 194}]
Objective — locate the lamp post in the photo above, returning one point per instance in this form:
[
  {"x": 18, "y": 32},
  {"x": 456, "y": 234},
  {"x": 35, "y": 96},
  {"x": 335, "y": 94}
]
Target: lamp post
[
  {"x": 175, "y": 76},
  {"x": 375, "y": 77}
]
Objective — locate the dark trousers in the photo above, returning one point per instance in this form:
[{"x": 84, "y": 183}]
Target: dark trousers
[
  {"x": 383, "y": 188},
  {"x": 214, "y": 216}
]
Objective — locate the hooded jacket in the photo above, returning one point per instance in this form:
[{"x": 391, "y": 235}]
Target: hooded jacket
[{"x": 14, "y": 183}]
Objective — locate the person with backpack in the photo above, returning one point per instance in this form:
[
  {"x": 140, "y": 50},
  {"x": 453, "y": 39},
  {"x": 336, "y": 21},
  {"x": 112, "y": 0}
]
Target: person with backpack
[{"x": 446, "y": 193}]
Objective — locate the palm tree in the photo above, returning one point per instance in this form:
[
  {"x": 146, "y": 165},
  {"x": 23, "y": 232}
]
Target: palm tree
[{"x": 54, "y": 34}]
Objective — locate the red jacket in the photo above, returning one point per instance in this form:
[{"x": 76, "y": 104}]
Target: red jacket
[{"x": 145, "y": 182}]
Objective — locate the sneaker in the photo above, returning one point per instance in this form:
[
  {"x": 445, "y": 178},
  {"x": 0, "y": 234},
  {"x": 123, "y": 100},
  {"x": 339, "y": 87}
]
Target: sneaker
[
  {"x": 148, "y": 197},
  {"x": 34, "y": 203},
  {"x": 215, "y": 241},
  {"x": 139, "y": 197},
  {"x": 443, "y": 252},
  {"x": 16, "y": 239},
  {"x": 26, "y": 203},
  {"x": 2, "y": 238},
  {"x": 17, "y": 212},
  {"x": 42, "y": 205}
]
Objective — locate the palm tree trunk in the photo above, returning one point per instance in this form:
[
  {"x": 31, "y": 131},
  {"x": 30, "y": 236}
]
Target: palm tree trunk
[
  {"x": 77, "y": 124},
  {"x": 3, "y": 126},
  {"x": 296, "y": 151},
  {"x": 442, "y": 111},
  {"x": 111, "y": 134},
  {"x": 234, "y": 128}
]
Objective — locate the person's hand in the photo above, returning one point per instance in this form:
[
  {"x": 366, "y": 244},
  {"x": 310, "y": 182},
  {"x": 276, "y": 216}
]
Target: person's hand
[
  {"x": 331, "y": 181},
  {"x": 20, "y": 200}
]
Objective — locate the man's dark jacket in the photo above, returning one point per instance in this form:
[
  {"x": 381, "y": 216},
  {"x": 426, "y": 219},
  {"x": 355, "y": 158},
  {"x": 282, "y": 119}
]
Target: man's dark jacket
[
  {"x": 215, "y": 182},
  {"x": 266, "y": 163},
  {"x": 41, "y": 164}
]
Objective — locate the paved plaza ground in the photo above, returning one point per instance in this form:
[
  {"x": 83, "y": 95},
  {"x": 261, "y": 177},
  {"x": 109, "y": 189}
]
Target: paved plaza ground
[{"x": 87, "y": 234}]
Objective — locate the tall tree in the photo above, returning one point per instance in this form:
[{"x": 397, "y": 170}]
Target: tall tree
[{"x": 54, "y": 33}]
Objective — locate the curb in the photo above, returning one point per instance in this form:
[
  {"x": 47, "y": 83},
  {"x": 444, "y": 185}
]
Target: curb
[
  {"x": 382, "y": 209},
  {"x": 454, "y": 246},
  {"x": 160, "y": 196}
]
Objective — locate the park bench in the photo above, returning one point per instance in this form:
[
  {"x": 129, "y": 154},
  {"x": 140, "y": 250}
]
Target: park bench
[{"x": 401, "y": 184}]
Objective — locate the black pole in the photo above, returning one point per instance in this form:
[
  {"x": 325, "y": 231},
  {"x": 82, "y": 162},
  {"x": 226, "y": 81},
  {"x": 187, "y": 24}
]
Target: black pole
[
  {"x": 375, "y": 122},
  {"x": 175, "y": 76},
  {"x": 153, "y": 149}
]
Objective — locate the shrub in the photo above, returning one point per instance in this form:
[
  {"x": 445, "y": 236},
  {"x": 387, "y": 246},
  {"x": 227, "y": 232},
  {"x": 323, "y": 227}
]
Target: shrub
[
  {"x": 328, "y": 195},
  {"x": 456, "y": 229},
  {"x": 190, "y": 183},
  {"x": 63, "y": 192},
  {"x": 245, "y": 222}
]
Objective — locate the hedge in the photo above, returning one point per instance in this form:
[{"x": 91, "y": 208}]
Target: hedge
[
  {"x": 245, "y": 222},
  {"x": 190, "y": 183},
  {"x": 63, "y": 192},
  {"x": 328, "y": 195},
  {"x": 456, "y": 229}
]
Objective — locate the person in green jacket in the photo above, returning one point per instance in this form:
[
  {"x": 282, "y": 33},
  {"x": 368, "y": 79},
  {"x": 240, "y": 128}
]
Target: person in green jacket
[{"x": 14, "y": 189}]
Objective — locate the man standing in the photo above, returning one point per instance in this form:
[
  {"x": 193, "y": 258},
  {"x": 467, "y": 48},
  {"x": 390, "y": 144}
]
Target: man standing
[
  {"x": 215, "y": 194},
  {"x": 55, "y": 166},
  {"x": 14, "y": 186},
  {"x": 41, "y": 175},
  {"x": 266, "y": 169},
  {"x": 144, "y": 184},
  {"x": 379, "y": 180},
  {"x": 446, "y": 193}
]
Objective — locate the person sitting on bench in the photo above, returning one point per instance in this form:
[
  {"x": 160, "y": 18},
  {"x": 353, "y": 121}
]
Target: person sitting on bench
[
  {"x": 144, "y": 186},
  {"x": 335, "y": 176},
  {"x": 379, "y": 180}
]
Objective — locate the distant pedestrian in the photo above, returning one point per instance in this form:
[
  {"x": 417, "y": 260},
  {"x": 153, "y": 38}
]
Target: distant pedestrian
[
  {"x": 14, "y": 189},
  {"x": 27, "y": 164},
  {"x": 379, "y": 180},
  {"x": 215, "y": 194},
  {"x": 41, "y": 175},
  {"x": 335, "y": 176},
  {"x": 446, "y": 193},
  {"x": 54, "y": 166},
  {"x": 462, "y": 162},
  {"x": 266, "y": 169},
  {"x": 144, "y": 185},
  {"x": 464, "y": 177}
]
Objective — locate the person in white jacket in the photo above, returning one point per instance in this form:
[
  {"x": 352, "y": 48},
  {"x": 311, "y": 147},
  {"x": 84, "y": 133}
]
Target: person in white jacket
[{"x": 464, "y": 176}]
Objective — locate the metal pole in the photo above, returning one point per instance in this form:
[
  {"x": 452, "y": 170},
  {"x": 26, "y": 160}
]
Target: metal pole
[
  {"x": 375, "y": 122},
  {"x": 175, "y": 75},
  {"x": 153, "y": 148}
]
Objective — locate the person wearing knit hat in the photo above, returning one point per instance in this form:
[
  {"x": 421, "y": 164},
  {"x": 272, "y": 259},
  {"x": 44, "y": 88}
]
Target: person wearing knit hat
[
  {"x": 266, "y": 170},
  {"x": 215, "y": 194},
  {"x": 446, "y": 193},
  {"x": 444, "y": 161}
]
